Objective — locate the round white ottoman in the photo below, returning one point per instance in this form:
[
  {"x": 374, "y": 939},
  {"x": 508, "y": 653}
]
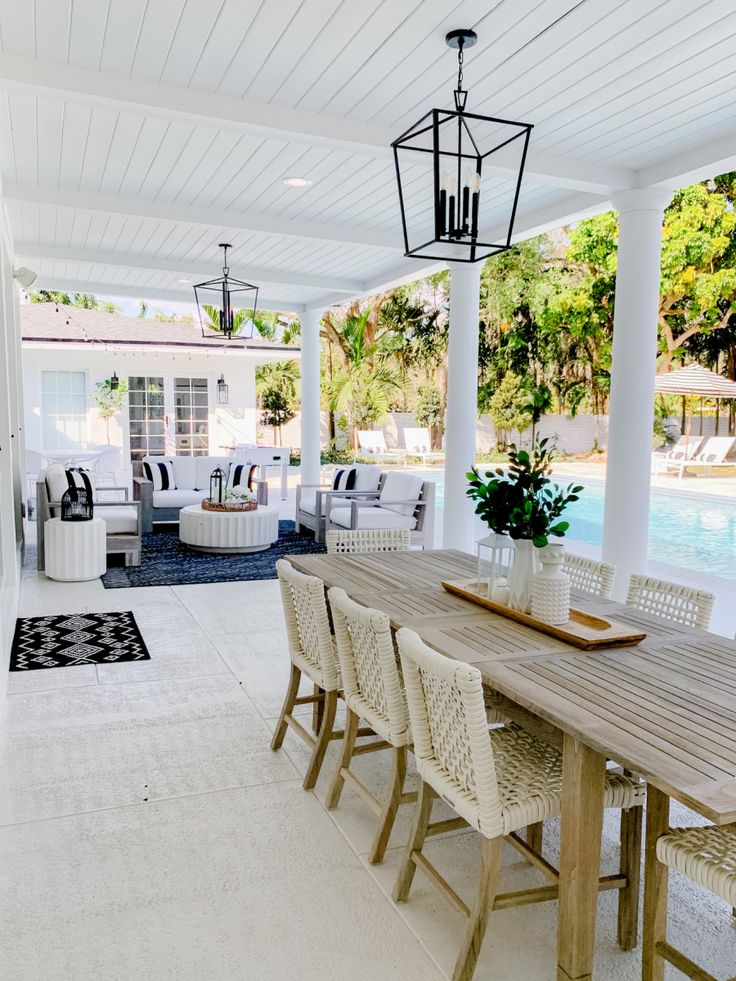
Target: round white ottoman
[
  {"x": 74, "y": 551},
  {"x": 228, "y": 531}
]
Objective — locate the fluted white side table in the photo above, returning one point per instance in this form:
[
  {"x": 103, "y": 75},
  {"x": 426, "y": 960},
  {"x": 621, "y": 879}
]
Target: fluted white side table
[
  {"x": 228, "y": 531},
  {"x": 75, "y": 550}
]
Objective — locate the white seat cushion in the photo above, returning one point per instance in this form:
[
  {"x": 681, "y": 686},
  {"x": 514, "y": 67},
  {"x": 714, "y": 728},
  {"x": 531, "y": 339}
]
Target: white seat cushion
[
  {"x": 308, "y": 502},
  {"x": 184, "y": 472},
  {"x": 120, "y": 521},
  {"x": 375, "y": 517},
  {"x": 401, "y": 487},
  {"x": 204, "y": 465},
  {"x": 178, "y": 498}
]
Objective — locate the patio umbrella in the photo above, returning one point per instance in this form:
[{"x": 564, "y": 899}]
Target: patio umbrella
[{"x": 692, "y": 382}]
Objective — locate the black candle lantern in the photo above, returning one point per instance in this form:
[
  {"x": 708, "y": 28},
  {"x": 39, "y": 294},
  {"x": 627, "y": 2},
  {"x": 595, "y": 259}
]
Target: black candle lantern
[
  {"x": 446, "y": 163},
  {"x": 218, "y": 486},
  {"x": 223, "y": 391},
  {"x": 76, "y": 505},
  {"x": 221, "y": 292}
]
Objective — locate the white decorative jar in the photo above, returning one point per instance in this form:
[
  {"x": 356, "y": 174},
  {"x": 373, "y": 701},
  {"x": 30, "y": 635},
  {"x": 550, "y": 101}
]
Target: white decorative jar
[
  {"x": 525, "y": 565},
  {"x": 551, "y": 587}
]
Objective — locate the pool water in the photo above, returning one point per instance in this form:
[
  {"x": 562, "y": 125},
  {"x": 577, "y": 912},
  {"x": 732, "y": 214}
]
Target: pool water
[{"x": 687, "y": 530}]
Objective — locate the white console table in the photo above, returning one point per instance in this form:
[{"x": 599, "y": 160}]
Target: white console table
[{"x": 266, "y": 456}]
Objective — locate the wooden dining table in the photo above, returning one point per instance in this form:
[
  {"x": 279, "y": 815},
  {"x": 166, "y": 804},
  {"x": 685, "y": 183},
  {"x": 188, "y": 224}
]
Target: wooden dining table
[{"x": 665, "y": 709}]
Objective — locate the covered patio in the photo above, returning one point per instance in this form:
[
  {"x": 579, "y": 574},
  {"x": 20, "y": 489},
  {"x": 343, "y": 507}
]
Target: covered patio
[{"x": 144, "y": 819}]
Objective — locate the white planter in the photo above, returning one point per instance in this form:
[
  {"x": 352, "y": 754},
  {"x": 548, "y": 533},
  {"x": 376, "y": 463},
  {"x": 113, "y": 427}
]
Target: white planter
[
  {"x": 526, "y": 564},
  {"x": 551, "y": 587}
]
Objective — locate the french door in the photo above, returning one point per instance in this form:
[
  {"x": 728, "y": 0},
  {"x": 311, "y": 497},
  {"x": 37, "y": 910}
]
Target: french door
[
  {"x": 168, "y": 416},
  {"x": 191, "y": 416}
]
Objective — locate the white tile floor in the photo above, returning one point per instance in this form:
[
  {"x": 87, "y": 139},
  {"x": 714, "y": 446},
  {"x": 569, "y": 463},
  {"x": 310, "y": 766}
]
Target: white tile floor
[{"x": 147, "y": 831}]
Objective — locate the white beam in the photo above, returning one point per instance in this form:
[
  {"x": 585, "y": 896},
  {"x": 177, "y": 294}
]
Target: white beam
[
  {"x": 210, "y": 217},
  {"x": 153, "y": 264},
  {"x": 68, "y": 285},
  {"x": 272, "y": 121},
  {"x": 700, "y": 163}
]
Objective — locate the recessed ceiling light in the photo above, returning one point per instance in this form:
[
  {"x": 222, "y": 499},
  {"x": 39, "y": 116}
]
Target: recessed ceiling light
[{"x": 297, "y": 181}]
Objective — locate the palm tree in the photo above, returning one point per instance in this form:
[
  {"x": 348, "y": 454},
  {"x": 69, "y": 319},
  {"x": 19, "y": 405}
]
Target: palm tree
[
  {"x": 365, "y": 383},
  {"x": 265, "y": 323}
]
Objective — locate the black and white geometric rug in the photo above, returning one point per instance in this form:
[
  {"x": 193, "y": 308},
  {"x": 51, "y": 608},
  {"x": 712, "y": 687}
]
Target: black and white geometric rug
[{"x": 82, "y": 638}]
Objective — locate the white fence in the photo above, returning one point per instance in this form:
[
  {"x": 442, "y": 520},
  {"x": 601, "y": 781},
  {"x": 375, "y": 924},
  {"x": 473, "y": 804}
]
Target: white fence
[{"x": 578, "y": 434}]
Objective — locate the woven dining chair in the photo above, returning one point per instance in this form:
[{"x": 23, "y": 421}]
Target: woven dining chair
[
  {"x": 373, "y": 692},
  {"x": 367, "y": 540},
  {"x": 706, "y": 855},
  {"x": 682, "y": 604},
  {"x": 596, "y": 578},
  {"x": 498, "y": 782},
  {"x": 312, "y": 653}
]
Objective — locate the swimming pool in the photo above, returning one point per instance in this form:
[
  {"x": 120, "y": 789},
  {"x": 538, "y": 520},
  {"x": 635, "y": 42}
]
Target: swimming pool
[{"x": 688, "y": 530}]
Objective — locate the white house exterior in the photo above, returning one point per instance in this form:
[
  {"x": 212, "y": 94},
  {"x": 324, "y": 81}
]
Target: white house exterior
[{"x": 172, "y": 371}]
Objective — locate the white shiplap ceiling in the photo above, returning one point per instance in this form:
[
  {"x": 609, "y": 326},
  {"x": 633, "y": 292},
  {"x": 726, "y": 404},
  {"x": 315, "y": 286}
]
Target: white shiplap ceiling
[{"x": 137, "y": 134}]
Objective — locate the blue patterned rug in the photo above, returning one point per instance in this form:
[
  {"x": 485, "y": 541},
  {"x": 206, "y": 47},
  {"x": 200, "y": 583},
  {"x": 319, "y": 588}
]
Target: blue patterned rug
[{"x": 165, "y": 561}]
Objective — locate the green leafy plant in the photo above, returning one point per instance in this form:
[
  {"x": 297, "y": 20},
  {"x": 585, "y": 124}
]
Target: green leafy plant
[
  {"x": 523, "y": 501},
  {"x": 109, "y": 400},
  {"x": 277, "y": 410}
]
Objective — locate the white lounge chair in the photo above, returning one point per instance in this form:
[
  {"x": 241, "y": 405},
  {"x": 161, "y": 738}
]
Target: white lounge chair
[
  {"x": 373, "y": 443},
  {"x": 419, "y": 443},
  {"x": 714, "y": 451},
  {"x": 684, "y": 449}
]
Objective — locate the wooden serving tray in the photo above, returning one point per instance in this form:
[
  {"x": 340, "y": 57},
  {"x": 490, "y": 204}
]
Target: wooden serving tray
[{"x": 583, "y": 630}]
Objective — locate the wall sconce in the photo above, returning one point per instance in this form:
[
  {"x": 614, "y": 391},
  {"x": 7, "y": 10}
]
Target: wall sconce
[
  {"x": 114, "y": 381},
  {"x": 223, "y": 391}
]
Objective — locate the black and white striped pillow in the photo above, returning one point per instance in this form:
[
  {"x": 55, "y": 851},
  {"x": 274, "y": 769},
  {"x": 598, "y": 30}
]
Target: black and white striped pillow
[
  {"x": 241, "y": 475},
  {"x": 344, "y": 479},
  {"x": 78, "y": 479},
  {"x": 161, "y": 475}
]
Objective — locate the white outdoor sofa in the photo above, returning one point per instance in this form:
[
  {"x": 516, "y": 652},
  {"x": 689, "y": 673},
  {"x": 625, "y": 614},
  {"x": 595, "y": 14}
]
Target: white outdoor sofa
[{"x": 191, "y": 484}]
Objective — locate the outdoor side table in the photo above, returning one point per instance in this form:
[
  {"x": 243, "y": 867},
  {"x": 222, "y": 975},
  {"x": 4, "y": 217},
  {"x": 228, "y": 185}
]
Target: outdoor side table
[{"x": 75, "y": 550}]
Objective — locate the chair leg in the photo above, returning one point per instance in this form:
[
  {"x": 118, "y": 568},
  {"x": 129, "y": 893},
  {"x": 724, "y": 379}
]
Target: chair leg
[
  {"x": 628, "y": 897},
  {"x": 656, "y": 878},
  {"x": 388, "y": 814},
  {"x": 416, "y": 843},
  {"x": 352, "y": 722},
  {"x": 323, "y": 740},
  {"x": 287, "y": 708},
  {"x": 490, "y": 869},
  {"x": 318, "y": 709},
  {"x": 535, "y": 836}
]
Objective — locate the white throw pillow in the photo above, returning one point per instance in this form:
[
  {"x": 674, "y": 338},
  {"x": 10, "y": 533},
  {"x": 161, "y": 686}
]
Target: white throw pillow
[
  {"x": 160, "y": 473},
  {"x": 401, "y": 487}
]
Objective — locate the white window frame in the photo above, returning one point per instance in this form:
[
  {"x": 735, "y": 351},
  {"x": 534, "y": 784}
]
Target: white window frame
[{"x": 83, "y": 441}]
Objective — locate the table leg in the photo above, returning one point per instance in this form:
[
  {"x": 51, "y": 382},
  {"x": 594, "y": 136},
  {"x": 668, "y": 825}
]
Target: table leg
[
  {"x": 655, "y": 885},
  {"x": 583, "y": 784},
  {"x": 284, "y": 480}
]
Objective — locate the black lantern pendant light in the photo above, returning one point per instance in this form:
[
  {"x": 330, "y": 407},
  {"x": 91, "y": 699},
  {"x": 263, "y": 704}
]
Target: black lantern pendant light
[
  {"x": 224, "y": 290},
  {"x": 223, "y": 391},
  {"x": 451, "y": 162}
]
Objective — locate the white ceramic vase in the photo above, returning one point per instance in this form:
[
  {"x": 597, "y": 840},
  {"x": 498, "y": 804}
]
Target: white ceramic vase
[
  {"x": 551, "y": 587},
  {"x": 526, "y": 564}
]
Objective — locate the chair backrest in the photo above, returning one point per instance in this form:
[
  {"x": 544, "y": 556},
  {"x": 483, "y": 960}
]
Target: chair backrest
[
  {"x": 682, "y": 604},
  {"x": 596, "y": 578},
  {"x": 716, "y": 449},
  {"x": 452, "y": 747},
  {"x": 307, "y": 623},
  {"x": 370, "y": 540},
  {"x": 369, "y": 667},
  {"x": 372, "y": 441},
  {"x": 417, "y": 441}
]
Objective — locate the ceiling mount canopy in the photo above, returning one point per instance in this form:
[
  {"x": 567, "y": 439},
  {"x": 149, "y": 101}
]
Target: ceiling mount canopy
[
  {"x": 226, "y": 294},
  {"x": 454, "y": 207}
]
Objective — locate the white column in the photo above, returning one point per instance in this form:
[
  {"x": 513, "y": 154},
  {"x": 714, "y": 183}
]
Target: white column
[
  {"x": 462, "y": 404},
  {"x": 631, "y": 403},
  {"x": 310, "y": 408}
]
